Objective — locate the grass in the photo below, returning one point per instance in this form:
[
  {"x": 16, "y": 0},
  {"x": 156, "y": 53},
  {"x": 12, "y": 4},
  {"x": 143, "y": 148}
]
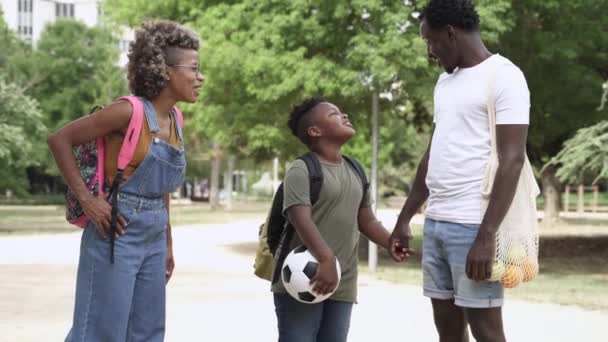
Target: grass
[
  {"x": 573, "y": 267},
  {"x": 28, "y": 219}
]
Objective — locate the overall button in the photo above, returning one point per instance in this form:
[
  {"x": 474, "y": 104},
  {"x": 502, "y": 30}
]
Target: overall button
[{"x": 156, "y": 140}]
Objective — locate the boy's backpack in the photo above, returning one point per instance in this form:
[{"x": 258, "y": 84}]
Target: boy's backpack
[
  {"x": 90, "y": 159},
  {"x": 276, "y": 233}
]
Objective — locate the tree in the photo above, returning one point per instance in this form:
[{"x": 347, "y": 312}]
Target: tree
[
  {"x": 585, "y": 154},
  {"x": 21, "y": 134},
  {"x": 261, "y": 57},
  {"x": 21, "y": 124},
  {"x": 564, "y": 73},
  {"x": 74, "y": 68}
]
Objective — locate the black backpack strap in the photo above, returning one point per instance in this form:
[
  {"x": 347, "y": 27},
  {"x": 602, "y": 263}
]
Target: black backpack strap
[
  {"x": 360, "y": 171},
  {"x": 315, "y": 177}
]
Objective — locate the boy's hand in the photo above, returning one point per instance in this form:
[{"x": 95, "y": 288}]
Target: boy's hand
[
  {"x": 326, "y": 279},
  {"x": 398, "y": 251},
  {"x": 399, "y": 243}
]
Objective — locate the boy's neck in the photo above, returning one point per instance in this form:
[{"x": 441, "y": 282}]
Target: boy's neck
[{"x": 331, "y": 154}]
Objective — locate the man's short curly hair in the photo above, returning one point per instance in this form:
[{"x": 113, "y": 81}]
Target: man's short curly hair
[
  {"x": 153, "y": 48},
  {"x": 457, "y": 13},
  {"x": 299, "y": 120}
]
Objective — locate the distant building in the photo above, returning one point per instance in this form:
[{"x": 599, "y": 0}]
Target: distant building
[{"x": 28, "y": 18}]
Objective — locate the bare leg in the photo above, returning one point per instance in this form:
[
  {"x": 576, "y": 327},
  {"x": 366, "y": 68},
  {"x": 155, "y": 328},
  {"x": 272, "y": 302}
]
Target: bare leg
[
  {"x": 486, "y": 324},
  {"x": 450, "y": 321}
]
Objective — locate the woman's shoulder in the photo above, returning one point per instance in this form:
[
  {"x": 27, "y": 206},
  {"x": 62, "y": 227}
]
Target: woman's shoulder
[{"x": 116, "y": 114}]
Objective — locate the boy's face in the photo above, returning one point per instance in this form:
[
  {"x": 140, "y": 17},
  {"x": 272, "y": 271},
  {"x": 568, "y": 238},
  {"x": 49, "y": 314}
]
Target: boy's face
[{"x": 331, "y": 123}]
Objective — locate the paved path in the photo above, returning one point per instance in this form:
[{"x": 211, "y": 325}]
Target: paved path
[{"x": 214, "y": 297}]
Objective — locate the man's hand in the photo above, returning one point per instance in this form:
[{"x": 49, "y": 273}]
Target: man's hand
[
  {"x": 326, "y": 278},
  {"x": 170, "y": 263},
  {"x": 481, "y": 257}
]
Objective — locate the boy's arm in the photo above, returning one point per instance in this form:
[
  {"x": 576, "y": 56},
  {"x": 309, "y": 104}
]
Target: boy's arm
[
  {"x": 375, "y": 231},
  {"x": 300, "y": 217},
  {"x": 372, "y": 228},
  {"x": 326, "y": 278},
  {"x": 298, "y": 208}
]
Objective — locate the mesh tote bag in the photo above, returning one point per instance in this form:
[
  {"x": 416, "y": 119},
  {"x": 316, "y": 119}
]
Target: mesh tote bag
[{"x": 516, "y": 259}]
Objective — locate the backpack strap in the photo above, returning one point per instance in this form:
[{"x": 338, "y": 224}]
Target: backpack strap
[
  {"x": 315, "y": 175},
  {"x": 180, "y": 117},
  {"x": 133, "y": 131},
  {"x": 360, "y": 171},
  {"x": 124, "y": 157}
]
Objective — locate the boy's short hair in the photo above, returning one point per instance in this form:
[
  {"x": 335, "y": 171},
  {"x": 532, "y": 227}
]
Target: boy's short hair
[{"x": 300, "y": 120}]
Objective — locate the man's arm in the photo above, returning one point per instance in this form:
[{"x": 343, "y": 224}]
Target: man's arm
[
  {"x": 511, "y": 150},
  {"x": 415, "y": 199}
]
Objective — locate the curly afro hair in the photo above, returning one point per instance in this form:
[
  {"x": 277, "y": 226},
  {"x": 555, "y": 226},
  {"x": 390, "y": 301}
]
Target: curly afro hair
[
  {"x": 151, "y": 52},
  {"x": 299, "y": 121},
  {"x": 457, "y": 13}
]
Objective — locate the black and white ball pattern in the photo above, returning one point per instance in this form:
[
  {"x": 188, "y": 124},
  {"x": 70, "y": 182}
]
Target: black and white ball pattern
[{"x": 299, "y": 267}]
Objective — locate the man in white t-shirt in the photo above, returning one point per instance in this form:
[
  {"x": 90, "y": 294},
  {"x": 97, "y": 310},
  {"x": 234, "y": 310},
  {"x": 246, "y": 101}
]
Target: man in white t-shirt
[{"x": 459, "y": 242}]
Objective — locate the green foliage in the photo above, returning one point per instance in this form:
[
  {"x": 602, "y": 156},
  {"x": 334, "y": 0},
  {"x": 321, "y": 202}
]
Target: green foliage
[
  {"x": 262, "y": 57},
  {"x": 21, "y": 134},
  {"x": 14, "y": 55},
  {"x": 564, "y": 55},
  {"x": 584, "y": 154},
  {"x": 74, "y": 68}
]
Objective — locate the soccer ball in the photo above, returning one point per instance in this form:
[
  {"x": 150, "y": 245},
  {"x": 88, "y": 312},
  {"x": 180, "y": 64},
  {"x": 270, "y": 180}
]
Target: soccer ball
[{"x": 299, "y": 267}]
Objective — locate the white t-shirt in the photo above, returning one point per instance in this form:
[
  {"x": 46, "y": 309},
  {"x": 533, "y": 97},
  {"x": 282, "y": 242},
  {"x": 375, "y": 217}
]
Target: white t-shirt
[{"x": 460, "y": 148}]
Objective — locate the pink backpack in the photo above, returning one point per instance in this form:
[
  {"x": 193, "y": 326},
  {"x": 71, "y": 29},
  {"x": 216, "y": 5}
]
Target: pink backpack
[{"x": 90, "y": 158}]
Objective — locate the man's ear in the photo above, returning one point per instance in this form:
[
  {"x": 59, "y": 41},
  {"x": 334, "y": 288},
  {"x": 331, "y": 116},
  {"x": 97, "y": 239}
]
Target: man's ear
[{"x": 452, "y": 34}]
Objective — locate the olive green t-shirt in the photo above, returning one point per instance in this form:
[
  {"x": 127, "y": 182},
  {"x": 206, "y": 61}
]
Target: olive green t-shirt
[{"x": 335, "y": 214}]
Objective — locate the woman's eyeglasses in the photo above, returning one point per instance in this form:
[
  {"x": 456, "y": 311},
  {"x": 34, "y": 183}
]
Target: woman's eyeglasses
[{"x": 196, "y": 68}]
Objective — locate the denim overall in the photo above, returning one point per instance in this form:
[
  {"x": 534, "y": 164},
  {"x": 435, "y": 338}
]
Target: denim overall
[{"x": 125, "y": 301}]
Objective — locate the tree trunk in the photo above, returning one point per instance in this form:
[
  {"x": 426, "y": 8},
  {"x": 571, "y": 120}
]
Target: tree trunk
[
  {"x": 551, "y": 194},
  {"x": 216, "y": 163}
]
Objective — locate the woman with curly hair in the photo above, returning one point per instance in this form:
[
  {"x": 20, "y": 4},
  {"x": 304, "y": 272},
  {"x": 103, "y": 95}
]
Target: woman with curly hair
[{"x": 120, "y": 291}]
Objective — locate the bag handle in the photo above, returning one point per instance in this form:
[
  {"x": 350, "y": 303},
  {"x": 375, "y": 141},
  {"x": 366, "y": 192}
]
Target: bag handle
[
  {"x": 133, "y": 131},
  {"x": 124, "y": 157}
]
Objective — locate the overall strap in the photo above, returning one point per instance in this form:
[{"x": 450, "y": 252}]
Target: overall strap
[{"x": 150, "y": 115}]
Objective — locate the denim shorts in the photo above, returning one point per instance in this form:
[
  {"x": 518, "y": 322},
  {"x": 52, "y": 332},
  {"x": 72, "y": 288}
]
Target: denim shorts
[{"x": 445, "y": 249}]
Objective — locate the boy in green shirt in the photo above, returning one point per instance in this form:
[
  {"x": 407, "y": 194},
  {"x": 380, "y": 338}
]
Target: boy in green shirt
[{"x": 329, "y": 228}]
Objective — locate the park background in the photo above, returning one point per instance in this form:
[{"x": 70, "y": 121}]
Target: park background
[{"x": 58, "y": 59}]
